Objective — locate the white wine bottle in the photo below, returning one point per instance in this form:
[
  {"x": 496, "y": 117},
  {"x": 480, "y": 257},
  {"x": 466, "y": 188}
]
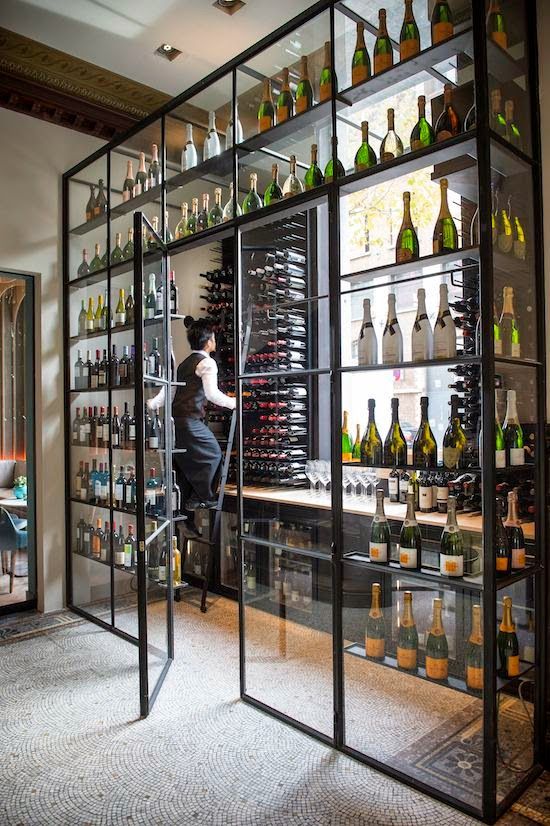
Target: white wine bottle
[
  {"x": 189, "y": 157},
  {"x": 513, "y": 432},
  {"x": 392, "y": 339},
  {"x": 234, "y": 134},
  {"x": 367, "y": 348},
  {"x": 228, "y": 211},
  {"x": 509, "y": 330},
  {"x": 292, "y": 185},
  {"x": 422, "y": 333},
  {"x": 392, "y": 145},
  {"x": 444, "y": 330},
  {"x": 212, "y": 146}
]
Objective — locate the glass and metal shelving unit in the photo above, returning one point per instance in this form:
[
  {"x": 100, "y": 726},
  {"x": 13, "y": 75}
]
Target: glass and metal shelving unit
[{"x": 286, "y": 285}]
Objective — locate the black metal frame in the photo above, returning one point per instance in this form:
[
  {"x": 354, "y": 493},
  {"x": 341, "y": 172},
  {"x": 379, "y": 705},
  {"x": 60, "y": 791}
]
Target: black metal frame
[{"x": 484, "y": 139}]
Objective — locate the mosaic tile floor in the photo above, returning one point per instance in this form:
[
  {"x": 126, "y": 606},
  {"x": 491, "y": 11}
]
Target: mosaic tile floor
[{"x": 72, "y": 751}]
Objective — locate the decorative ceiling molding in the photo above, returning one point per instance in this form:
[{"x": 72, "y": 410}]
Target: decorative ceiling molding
[{"x": 58, "y": 87}]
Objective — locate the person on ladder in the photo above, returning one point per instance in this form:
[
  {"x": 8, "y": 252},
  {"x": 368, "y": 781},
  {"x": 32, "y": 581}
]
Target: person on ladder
[{"x": 200, "y": 466}]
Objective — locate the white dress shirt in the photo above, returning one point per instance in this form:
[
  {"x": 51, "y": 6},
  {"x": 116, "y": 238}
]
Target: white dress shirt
[{"x": 207, "y": 370}]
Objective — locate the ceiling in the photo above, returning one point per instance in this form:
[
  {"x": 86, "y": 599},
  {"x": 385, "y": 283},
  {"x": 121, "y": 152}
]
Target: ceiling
[{"x": 122, "y": 35}]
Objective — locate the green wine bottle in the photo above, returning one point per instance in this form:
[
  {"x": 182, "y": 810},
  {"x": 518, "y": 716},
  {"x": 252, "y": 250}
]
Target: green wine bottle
[
  {"x": 383, "y": 49},
  {"x": 360, "y": 64},
  {"x": 395, "y": 446},
  {"x": 445, "y": 237},
  {"x": 365, "y": 156},
  {"x": 422, "y": 134},
  {"x": 95, "y": 263},
  {"x": 410, "y": 538},
  {"x": 503, "y": 553},
  {"x": 273, "y": 192},
  {"x": 285, "y": 101},
  {"x": 192, "y": 227},
  {"x": 409, "y": 39},
  {"x": 437, "y": 647},
  {"x": 498, "y": 121},
  {"x": 314, "y": 176},
  {"x": 181, "y": 226},
  {"x": 356, "y": 452},
  {"x": 442, "y": 22},
  {"x": 407, "y": 637},
  {"x": 500, "y": 443},
  {"x": 451, "y": 551},
  {"x": 304, "y": 91},
  {"x": 496, "y": 25},
  {"x": 515, "y": 533},
  {"x": 252, "y": 201},
  {"x": 513, "y": 432},
  {"x": 512, "y": 130},
  {"x": 454, "y": 440},
  {"x": 327, "y": 80},
  {"x": 407, "y": 247},
  {"x": 474, "y": 653},
  {"x": 266, "y": 111},
  {"x": 202, "y": 217},
  {"x": 215, "y": 216},
  {"x": 380, "y": 542},
  {"x": 347, "y": 447},
  {"x": 507, "y": 643},
  {"x": 117, "y": 255},
  {"x": 371, "y": 443},
  {"x": 375, "y": 632},
  {"x": 329, "y": 168},
  {"x": 424, "y": 445}
]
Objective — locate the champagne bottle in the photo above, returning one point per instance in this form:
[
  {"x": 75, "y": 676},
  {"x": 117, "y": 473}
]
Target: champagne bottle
[
  {"x": 422, "y": 134},
  {"x": 407, "y": 248},
  {"x": 496, "y": 25},
  {"x": 128, "y": 185},
  {"x": 375, "y": 632},
  {"x": 448, "y": 123},
  {"x": 128, "y": 251},
  {"x": 367, "y": 347},
  {"x": 292, "y": 185},
  {"x": 422, "y": 333},
  {"x": 266, "y": 111},
  {"x": 424, "y": 445},
  {"x": 445, "y": 237},
  {"x": 509, "y": 329},
  {"x": 82, "y": 319},
  {"x": 215, "y": 216},
  {"x": 505, "y": 238},
  {"x": 454, "y": 440},
  {"x": 101, "y": 205},
  {"x": 407, "y": 637},
  {"x": 513, "y": 432},
  {"x": 202, "y": 217},
  {"x": 191, "y": 227},
  {"x": 189, "y": 157},
  {"x": 356, "y": 452},
  {"x": 273, "y": 192},
  {"x": 507, "y": 643},
  {"x": 383, "y": 50},
  {"x": 514, "y": 530},
  {"x": 314, "y": 176},
  {"x": 95, "y": 263},
  {"x": 442, "y": 22},
  {"x": 155, "y": 172},
  {"x": 519, "y": 248},
  {"x": 181, "y": 227},
  {"x": 409, "y": 39},
  {"x": 392, "y": 145},
  {"x": 437, "y": 647},
  {"x": 84, "y": 267},
  {"x": 360, "y": 64},
  {"x": 365, "y": 156},
  {"x": 212, "y": 146},
  {"x": 347, "y": 448},
  {"x": 498, "y": 121},
  {"x": 130, "y": 306},
  {"x": 410, "y": 539},
  {"x": 237, "y": 133},
  {"x": 120, "y": 311},
  {"x": 176, "y": 562},
  {"x": 371, "y": 443},
  {"x": 90, "y": 206},
  {"x": 379, "y": 542},
  {"x": 451, "y": 553},
  {"x": 392, "y": 338},
  {"x": 252, "y": 201},
  {"x": 395, "y": 446},
  {"x": 117, "y": 255},
  {"x": 228, "y": 210},
  {"x": 444, "y": 330},
  {"x": 329, "y": 168},
  {"x": 304, "y": 91},
  {"x": 497, "y": 337},
  {"x": 285, "y": 101},
  {"x": 142, "y": 182},
  {"x": 500, "y": 443},
  {"x": 512, "y": 133},
  {"x": 327, "y": 76},
  {"x": 474, "y": 653}
]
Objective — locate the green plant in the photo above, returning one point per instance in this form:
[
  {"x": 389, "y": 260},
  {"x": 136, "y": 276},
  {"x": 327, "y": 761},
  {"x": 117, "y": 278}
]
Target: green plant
[{"x": 19, "y": 481}]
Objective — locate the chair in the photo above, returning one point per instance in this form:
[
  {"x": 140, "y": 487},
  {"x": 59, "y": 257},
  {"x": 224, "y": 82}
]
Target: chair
[{"x": 13, "y": 538}]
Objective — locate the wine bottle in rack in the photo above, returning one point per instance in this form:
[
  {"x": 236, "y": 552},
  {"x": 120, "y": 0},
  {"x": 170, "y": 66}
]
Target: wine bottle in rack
[
  {"x": 95, "y": 263},
  {"x": 375, "y": 632},
  {"x": 507, "y": 643},
  {"x": 392, "y": 145},
  {"x": 347, "y": 448},
  {"x": 356, "y": 452},
  {"x": 252, "y": 200},
  {"x": 304, "y": 90},
  {"x": 142, "y": 182},
  {"x": 392, "y": 338},
  {"x": 407, "y": 247},
  {"x": 503, "y": 553},
  {"x": 500, "y": 442},
  {"x": 292, "y": 185},
  {"x": 329, "y": 168},
  {"x": 266, "y": 111},
  {"x": 513, "y": 133},
  {"x": 202, "y": 217},
  {"x": 509, "y": 329},
  {"x": 189, "y": 157},
  {"x": 371, "y": 443},
  {"x": 174, "y": 293},
  {"x": 497, "y": 119},
  {"x": 128, "y": 251},
  {"x": 409, "y": 39},
  {"x": 365, "y": 156},
  {"x": 383, "y": 49},
  {"x": 212, "y": 146},
  {"x": 496, "y": 25},
  {"x": 84, "y": 267},
  {"x": 360, "y": 64},
  {"x": 90, "y": 206},
  {"x": 395, "y": 446},
  {"x": 513, "y": 432},
  {"x": 380, "y": 541},
  {"x": 424, "y": 445},
  {"x": 437, "y": 647},
  {"x": 515, "y": 533},
  {"x": 407, "y": 637},
  {"x": 422, "y": 134},
  {"x": 367, "y": 347},
  {"x": 181, "y": 226},
  {"x": 422, "y": 333},
  {"x": 101, "y": 205},
  {"x": 451, "y": 554},
  {"x": 215, "y": 216},
  {"x": 326, "y": 78},
  {"x": 154, "y": 173},
  {"x": 314, "y": 176},
  {"x": 442, "y": 23},
  {"x": 454, "y": 439},
  {"x": 410, "y": 538},
  {"x": 285, "y": 101},
  {"x": 445, "y": 237},
  {"x": 474, "y": 653},
  {"x": 448, "y": 124},
  {"x": 445, "y": 329}
]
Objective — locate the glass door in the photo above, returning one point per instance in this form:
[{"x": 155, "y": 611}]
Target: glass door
[{"x": 153, "y": 461}]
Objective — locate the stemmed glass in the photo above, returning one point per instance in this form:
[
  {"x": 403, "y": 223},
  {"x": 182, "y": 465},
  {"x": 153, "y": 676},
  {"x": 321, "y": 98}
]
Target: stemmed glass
[
  {"x": 312, "y": 475},
  {"x": 324, "y": 476}
]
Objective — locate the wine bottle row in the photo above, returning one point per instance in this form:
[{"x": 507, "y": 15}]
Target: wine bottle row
[
  {"x": 95, "y": 318},
  {"x": 110, "y": 371},
  {"x": 94, "y": 428},
  {"x": 97, "y": 486}
]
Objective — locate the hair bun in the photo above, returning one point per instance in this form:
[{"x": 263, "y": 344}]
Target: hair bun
[{"x": 188, "y": 321}]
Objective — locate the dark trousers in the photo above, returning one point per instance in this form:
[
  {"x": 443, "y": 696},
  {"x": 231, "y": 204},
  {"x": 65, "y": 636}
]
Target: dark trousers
[{"x": 198, "y": 469}]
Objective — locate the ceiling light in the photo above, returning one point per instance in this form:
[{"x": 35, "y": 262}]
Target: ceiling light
[
  {"x": 228, "y": 6},
  {"x": 167, "y": 51}
]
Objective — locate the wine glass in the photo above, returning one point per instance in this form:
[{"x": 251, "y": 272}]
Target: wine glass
[{"x": 312, "y": 475}]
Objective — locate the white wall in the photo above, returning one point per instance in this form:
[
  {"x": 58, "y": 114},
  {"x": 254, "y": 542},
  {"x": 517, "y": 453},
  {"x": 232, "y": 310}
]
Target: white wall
[{"x": 34, "y": 156}]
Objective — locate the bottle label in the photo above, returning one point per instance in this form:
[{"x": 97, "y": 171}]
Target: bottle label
[
  {"x": 406, "y": 658},
  {"x": 162, "y": 573},
  {"x": 382, "y": 62},
  {"x": 129, "y": 494},
  {"x": 386, "y": 156},
  {"x": 106, "y": 434},
  {"x": 77, "y": 486},
  {"x": 442, "y": 496},
  {"x": 116, "y": 440},
  {"x": 282, "y": 114},
  {"x": 153, "y": 442},
  {"x": 450, "y": 457},
  {"x": 265, "y": 122},
  {"x": 441, "y": 31},
  {"x": 451, "y": 565},
  {"x": 151, "y": 496},
  {"x": 512, "y": 665},
  {"x": 120, "y": 318},
  {"x": 517, "y": 456},
  {"x": 82, "y": 431},
  {"x": 444, "y": 135},
  {"x": 104, "y": 492},
  {"x": 119, "y": 492},
  {"x": 498, "y": 346},
  {"x": 502, "y": 564},
  {"x": 425, "y": 498},
  {"x": 374, "y": 648},
  {"x": 403, "y": 255},
  {"x": 515, "y": 350},
  {"x": 119, "y": 557},
  {"x": 132, "y": 433},
  {"x": 500, "y": 38},
  {"x": 408, "y": 557},
  {"x": 85, "y": 371},
  {"x": 127, "y": 555},
  {"x": 93, "y": 381},
  {"x": 359, "y": 74},
  {"x": 500, "y": 458},
  {"x": 301, "y": 105},
  {"x": 518, "y": 558},
  {"x": 393, "y": 485},
  {"x": 378, "y": 551},
  {"x": 83, "y": 493},
  {"x": 437, "y": 669},
  {"x": 325, "y": 92},
  {"x": 408, "y": 48}
]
